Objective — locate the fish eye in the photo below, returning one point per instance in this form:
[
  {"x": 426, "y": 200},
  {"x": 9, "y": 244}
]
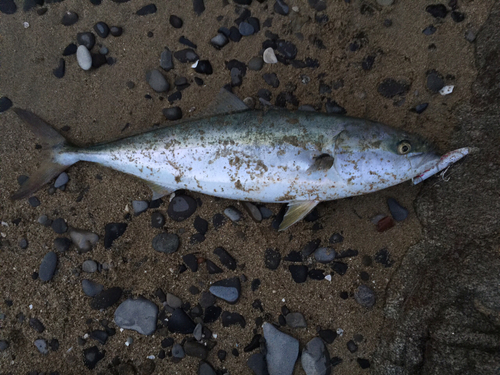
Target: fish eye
[{"x": 404, "y": 147}]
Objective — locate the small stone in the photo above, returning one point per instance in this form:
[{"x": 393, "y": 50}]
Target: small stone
[
  {"x": 4, "y": 345},
  {"x": 201, "y": 225},
  {"x": 212, "y": 313},
  {"x": 269, "y": 56},
  {"x": 23, "y": 243},
  {"x": 385, "y": 223},
  {"x": 5, "y": 104},
  {"x": 173, "y": 301},
  {"x": 435, "y": 81},
  {"x": 340, "y": 268},
  {"x": 257, "y": 363},
  {"x": 60, "y": 70},
  {"x": 167, "y": 243},
  {"x": 351, "y": 346},
  {"x": 315, "y": 358},
  {"x": 83, "y": 57},
  {"x": 233, "y": 214},
  {"x": 429, "y": 30},
  {"x": 281, "y": 7},
  {"x": 147, "y": 9},
  {"x": 229, "y": 319},
  {"x": 69, "y": 18},
  {"x": 470, "y": 36},
  {"x": 198, "y": 6},
  {"x": 181, "y": 207},
  {"x": 298, "y": 272},
  {"x": 86, "y": 39},
  {"x": 112, "y": 232},
  {"x": 256, "y": 63},
  {"x": 178, "y": 351},
  {"x": 106, "y": 298},
  {"x": 324, "y": 255},
  {"x": 91, "y": 288},
  {"x": 195, "y": 349},
  {"x": 282, "y": 350},
  {"x": 398, "y": 212},
  {"x": 191, "y": 261},
  {"x": 287, "y": 49},
  {"x": 437, "y": 10},
  {"x": 271, "y": 79},
  {"x": 91, "y": 356},
  {"x": 389, "y": 88},
  {"x": 228, "y": 289},
  {"x": 225, "y": 258},
  {"x": 45, "y": 221},
  {"x": 234, "y": 34},
  {"x": 83, "y": 239},
  {"x": 99, "y": 335},
  {"x": 295, "y": 320},
  {"x": 89, "y": 266},
  {"x": 212, "y": 268},
  {"x": 42, "y": 346},
  {"x": 59, "y": 226},
  {"x": 363, "y": 363},
  {"x": 219, "y": 41},
  {"x": 34, "y": 201},
  {"x": 245, "y": 29},
  {"x": 116, "y": 31},
  {"x": 328, "y": 335},
  {"x": 272, "y": 259},
  {"x": 207, "y": 300},
  {"x": 175, "y": 21},
  {"x": 204, "y": 67},
  {"x": 166, "y": 61},
  {"x": 157, "y": 220},
  {"x": 37, "y": 325},
  {"x": 61, "y": 180},
  {"x": 139, "y": 207},
  {"x": 101, "y": 29},
  {"x": 157, "y": 81},
  {"x": 365, "y": 296},
  {"x": 310, "y": 248},
  {"x": 137, "y": 314},
  {"x": 172, "y": 113},
  {"x": 180, "y": 322},
  {"x": 48, "y": 266},
  {"x": 186, "y": 55},
  {"x": 421, "y": 108}
]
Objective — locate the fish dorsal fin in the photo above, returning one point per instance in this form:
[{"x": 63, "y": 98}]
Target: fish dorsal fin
[
  {"x": 296, "y": 211},
  {"x": 224, "y": 102},
  {"x": 158, "y": 190}
]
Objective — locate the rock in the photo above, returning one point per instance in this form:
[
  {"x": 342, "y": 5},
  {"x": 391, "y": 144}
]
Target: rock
[
  {"x": 256, "y": 63},
  {"x": 42, "y": 346},
  {"x": 4, "y": 345},
  {"x": 340, "y": 268},
  {"x": 272, "y": 259},
  {"x": 269, "y": 56},
  {"x": 178, "y": 351},
  {"x": 191, "y": 261},
  {"x": 271, "y": 79},
  {"x": 172, "y": 113},
  {"x": 175, "y": 21},
  {"x": 61, "y": 69},
  {"x": 234, "y": 34},
  {"x": 157, "y": 220},
  {"x": 112, "y": 232},
  {"x": 389, "y": 88},
  {"x": 45, "y": 221},
  {"x": 365, "y": 296},
  {"x": 181, "y": 207},
  {"x": 295, "y": 320},
  {"x": 327, "y": 335},
  {"x": 8, "y": 6},
  {"x": 173, "y": 301},
  {"x": 385, "y": 224},
  {"x": 61, "y": 180},
  {"x": 198, "y": 6},
  {"x": 23, "y": 243},
  {"x": 86, "y": 39},
  {"x": 166, "y": 61},
  {"x": 91, "y": 288},
  {"x": 351, "y": 346},
  {"x": 83, "y": 57},
  {"x": 219, "y": 41},
  {"x": 212, "y": 268},
  {"x": 195, "y": 349},
  {"x": 429, "y": 30},
  {"x": 257, "y": 363},
  {"x": 91, "y": 356},
  {"x": 282, "y": 8},
  {"x": 157, "y": 81},
  {"x": 34, "y": 201},
  {"x": 435, "y": 81},
  {"x": 232, "y": 318},
  {"x": 89, "y": 266},
  {"x": 101, "y": 29},
  {"x": 198, "y": 332},
  {"x": 316, "y": 358},
  {"x": 201, "y": 225},
  {"x": 106, "y": 298},
  {"x": 100, "y": 336},
  {"x": 116, "y": 31},
  {"x": 180, "y": 322},
  {"x": 383, "y": 257},
  {"x": 287, "y": 49},
  {"x": 37, "y": 325},
  {"x": 421, "y": 108},
  {"x": 83, "y": 239},
  {"x": 147, "y": 9},
  {"x": 167, "y": 243},
  {"x": 204, "y": 67},
  {"x": 59, "y": 226},
  {"x": 324, "y": 255},
  {"x": 298, "y": 272},
  {"x": 245, "y": 29},
  {"x": 282, "y": 351},
  {"x": 137, "y": 314},
  {"x": 69, "y": 18},
  {"x": 204, "y": 368},
  {"x": 212, "y": 313},
  {"x": 437, "y": 10},
  {"x": 5, "y": 104},
  {"x": 398, "y": 212},
  {"x": 186, "y": 55},
  {"x": 139, "y": 207},
  {"x": 48, "y": 266},
  {"x": 333, "y": 107},
  {"x": 233, "y": 214},
  {"x": 225, "y": 258},
  {"x": 363, "y": 363},
  {"x": 228, "y": 289}
]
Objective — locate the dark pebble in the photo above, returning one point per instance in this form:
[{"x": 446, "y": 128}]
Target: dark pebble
[
  {"x": 287, "y": 49},
  {"x": 245, "y": 29},
  {"x": 219, "y": 41},
  {"x": 54, "y": 345},
  {"x": 212, "y": 313},
  {"x": 218, "y": 220},
  {"x": 59, "y": 226},
  {"x": 435, "y": 81},
  {"x": 457, "y": 16},
  {"x": 86, "y": 39},
  {"x": 255, "y": 284},
  {"x": 168, "y": 342},
  {"x": 37, "y": 325},
  {"x": 106, "y": 298},
  {"x": 5, "y": 104},
  {"x": 116, "y": 30},
  {"x": 167, "y": 243},
  {"x": 333, "y": 107},
  {"x": 201, "y": 225},
  {"x": 228, "y": 289},
  {"x": 101, "y": 29},
  {"x": 187, "y": 42},
  {"x": 204, "y": 67},
  {"x": 34, "y": 201},
  {"x": 437, "y": 10},
  {"x": 367, "y": 63},
  {"x": 212, "y": 268},
  {"x": 221, "y": 354},
  {"x": 175, "y": 21},
  {"x": 351, "y": 346},
  {"x": 299, "y": 273},
  {"x": 172, "y": 113},
  {"x": 264, "y": 94},
  {"x": 23, "y": 243},
  {"x": 157, "y": 220},
  {"x": 316, "y": 274},
  {"x": 294, "y": 256},
  {"x": 147, "y": 9},
  {"x": 191, "y": 261},
  {"x": 271, "y": 79},
  {"x": 349, "y": 253},
  {"x": 48, "y": 266},
  {"x": 229, "y": 319},
  {"x": 339, "y": 267},
  {"x": 421, "y": 108},
  {"x": 195, "y": 349},
  {"x": 8, "y": 7},
  {"x": 363, "y": 363},
  {"x": 235, "y": 352},
  {"x": 98, "y": 60},
  {"x": 398, "y": 212},
  {"x": 429, "y": 30},
  {"x": 272, "y": 259},
  {"x": 328, "y": 335},
  {"x": 383, "y": 257},
  {"x": 100, "y": 336},
  {"x": 181, "y": 207},
  {"x": 257, "y": 363},
  {"x": 194, "y": 290},
  {"x": 198, "y": 6},
  {"x": 225, "y": 258},
  {"x": 69, "y": 18},
  {"x": 365, "y": 296},
  {"x": 174, "y": 97},
  {"x": 60, "y": 70},
  {"x": 281, "y": 7},
  {"x": 310, "y": 247},
  {"x": 255, "y": 24},
  {"x": 180, "y": 322},
  {"x": 336, "y": 238},
  {"x": 113, "y": 231},
  {"x": 364, "y": 276},
  {"x": 243, "y": 2},
  {"x": 253, "y": 344},
  {"x": 389, "y": 88},
  {"x": 91, "y": 356},
  {"x": 234, "y": 34},
  {"x": 243, "y": 15},
  {"x": 206, "y": 300}
]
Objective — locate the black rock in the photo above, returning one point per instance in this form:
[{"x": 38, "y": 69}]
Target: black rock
[
  {"x": 112, "y": 231},
  {"x": 86, "y": 39},
  {"x": 299, "y": 273},
  {"x": 100, "y": 336},
  {"x": 367, "y": 63},
  {"x": 193, "y": 290},
  {"x": 383, "y": 257},
  {"x": 195, "y": 349},
  {"x": 389, "y": 88},
  {"x": 212, "y": 313},
  {"x": 429, "y": 30},
  {"x": 310, "y": 247},
  {"x": 340, "y": 268},
  {"x": 172, "y": 113},
  {"x": 69, "y": 18},
  {"x": 186, "y": 55},
  {"x": 225, "y": 258},
  {"x": 244, "y": 14},
  {"x": 421, "y": 108},
  {"x": 37, "y": 325},
  {"x": 280, "y": 7},
  {"x": 253, "y": 344},
  {"x": 349, "y": 253},
  {"x": 187, "y": 42},
  {"x": 60, "y": 70},
  {"x": 207, "y": 300},
  {"x": 204, "y": 67},
  {"x": 218, "y": 220},
  {"x": 316, "y": 274},
  {"x": 287, "y": 49},
  {"x": 398, "y": 212},
  {"x": 196, "y": 238},
  {"x": 106, "y": 298},
  {"x": 336, "y": 238},
  {"x": 243, "y": 2},
  {"x": 48, "y": 266},
  {"x": 328, "y": 335},
  {"x": 181, "y": 207},
  {"x": 5, "y": 104},
  {"x": 457, "y": 16},
  {"x": 91, "y": 356},
  {"x": 221, "y": 354},
  {"x": 255, "y": 24},
  {"x": 34, "y": 201},
  {"x": 294, "y": 256},
  {"x": 435, "y": 81},
  {"x": 333, "y": 107},
  {"x": 175, "y": 21},
  {"x": 54, "y": 345},
  {"x": 229, "y": 319},
  {"x": 116, "y": 30},
  {"x": 201, "y": 225},
  {"x": 198, "y": 6},
  {"x": 191, "y": 261},
  {"x": 180, "y": 322},
  {"x": 101, "y": 29},
  {"x": 8, "y": 7},
  {"x": 212, "y": 268},
  {"x": 365, "y": 276},
  {"x": 363, "y": 363},
  {"x": 245, "y": 29},
  {"x": 175, "y": 96},
  {"x": 59, "y": 226},
  {"x": 351, "y": 346},
  {"x": 271, "y": 79},
  {"x": 98, "y": 60},
  {"x": 147, "y": 9},
  {"x": 264, "y": 94},
  {"x": 167, "y": 243},
  {"x": 168, "y": 342},
  {"x": 157, "y": 220},
  {"x": 437, "y": 10},
  {"x": 272, "y": 259},
  {"x": 234, "y": 34},
  {"x": 255, "y": 284}
]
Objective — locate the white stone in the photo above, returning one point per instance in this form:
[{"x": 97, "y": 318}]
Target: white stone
[
  {"x": 446, "y": 90},
  {"x": 269, "y": 57},
  {"x": 83, "y": 57}
]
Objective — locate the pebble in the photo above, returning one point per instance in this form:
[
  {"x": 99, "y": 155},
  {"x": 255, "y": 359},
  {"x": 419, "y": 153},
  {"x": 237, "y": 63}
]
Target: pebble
[
  {"x": 385, "y": 223},
  {"x": 365, "y": 296},
  {"x": 186, "y": 55},
  {"x": 269, "y": 56},
  {"x": 429, "y": 30},
  {"x": 167, "y": 243},
  {"x": 37, "y": 325},
  {"x": 147, "y": 9},
  {"x": 83, "y": 239},
  {"x": 271, "y": 79},
  {"x": 298, "y": 272},
  {"x": 256, "y": 63},
  {"x": 166, "y": 61},
  {"x": 383, "y": 257},
  {"x": 101, "y": 29},
  {"x": 172, "y": 113},
  {"x": 205, "y": 368},
  {"x": 195, "y": 349},
  {"x": 113, "y": 231},
  {"x": 91, "y": 288},
  {"x": 198, "y": 6},
  {"x": 206, "y": 300},
  {"x": 212, "y": 268},
  {"x": 315, "y": 358},
  {"x": 4, "y": 345},
  {"x": 437, "y": 10},
  {"x": 48, "y": 266},
  {"x": 69, "y": 18},
  {"x": 139, "y": 207},
  {"x": 83, "y": 57},
  {"x": 8, "y": 7},
  {"x": 272, "y": 259},
  {"x": 157, "y": 81},
  {"x": 157, "y": 220},
  {"x": 327, "y": 335},
  {"x": 5, "y": 104},
  {"x": 61, "y": 180},
  {"x": 435, "y": 81},
  {"x": 470, "y": 36},
  {"x": 191, "y": 261},
  {"x": 233, "y": 214},
  {"x": 34, "y": 201},
  {"x": 173, "y": 301},
  {"x": 44, "y": 220},
  {"x": 225, "y": 258},
  {"x": 106, "y": 298},
  {"x": 340, "y": 268},
  {"x": 198, "y": 332},
  {"x": 204, "y": 67},
  {"x": 310, "y": 247},
  {"x": 178, "y": 351},
  {"x": 228, "y": 289},
  {"x": 282, "y": 8},
  {"x": 61, "y": 69},
  {"x": 398, "y": 212},
  {"x": 201, "y": 225},
  {"x": 89, "y": 266},
  {"x": 219, "y": 41},
  {"x": 175, "y": 21},
  {"x": 181, "y": 207},
  {"x": 287, "y": 49},
  {"x": 234, "y": 34},
  {"x": 421, "y": 108},
  {"x": 100, "y": 336},
  {"x": 257, "y": 363},
  {"x": 91, "y": 356},
  {"x": 116, "y": 31},
  {"x": 86, "y": 39},
  {"x": 245, "y": 29},
  {"x": 324, "y": 255},
  {"x": 137, "y": 314},
  {"x": 180, "y": 322},
  {"x": 352, "y": 347},
  {"x": 282, "y": 351},
  {"x": 212, "y": 313},
  {"x": 363, "y": 363},
  {"x": 389, "y": 88},
  {"x": 23, "y": 243},
  {"x": 296, "y": 320},
  {"x": 62, "y": 244},
  {"x": 59, "y": 226},
  {"x": 232, "y": 318},
  {"x": 42, "y": 346}
]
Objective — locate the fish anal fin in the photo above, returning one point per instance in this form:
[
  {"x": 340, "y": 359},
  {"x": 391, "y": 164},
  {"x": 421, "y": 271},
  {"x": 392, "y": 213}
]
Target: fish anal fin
[
  {"x": 296, "y": 211},
  {"x": 158, "y": 190},
  {"x": 224, "y": 102}
]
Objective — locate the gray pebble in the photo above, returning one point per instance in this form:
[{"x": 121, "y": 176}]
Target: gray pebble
[
  {"x": 232, "y": 213},
  {"x": 256, "y": 63},
  {"x": 281, "y": 7},
  {"x": 324, "y": 255},
  {"x": 315, "y": 358},
  {"x": 91, "y": 288},
  {"x": 198, "y": 332},
  {"x": 23, "y": 243},
  {"x": 157, "y": 81},
  {"x": 45, "y": 221},
  {"x": 139, "y": 207},
  {"x": 83, "y": 57},
  {"x": 257, "y": 363},
  {"x": 69, "y": 18},
  {"x": 253, "y": 211},
  {"x": 206, "y": 369},
  {"x": 246, "y": 29},
  {"x": 295, "y": 320},
  {"x": 157, "y": 220},
  {"x": 206, "y": 300},
  {"x": 89, "y": 266},
  {"x": 83, "y": 239},
  {"x": 48, "y": 266},
  {"x": 173, "y": 301},
  {"x": 34, "y": 201},
  {"x": 219, "y": 41},
  {"x": 41, "y": 345},
  {"x": 103, "y": 50},
  {"x": 365, "y": 296},
  {"x": 166, "y": 243},
  {"x": 178, "y": 351},
  {"x": 59, "y": 226},
  {"x": 470, "y": 36},
  {"x": 398, "y": 212},
  {"x": 61, "y": 180},
  {"x": 137, "y": 314},
  {"x": 282, "y": 351},
  {"x": 166, "y": 60},
  {"x": 4, "y": 345}
]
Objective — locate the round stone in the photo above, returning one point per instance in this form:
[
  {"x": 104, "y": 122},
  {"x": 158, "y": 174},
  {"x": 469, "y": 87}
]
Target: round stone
[
  {"x": 256, "y": 63},
  {"x": 166, "y": 243},
  {"x": 83, "y": 57},
  {"x": 175, "y": 21},
  {"x": 181, "y": 207},
  {"x": 86, "y": 39},
  {"x": 365, "y": 296},
  {"x": 157, "y": 81},
  {"x": 102, "y": 29},
  {"x": 137, "y": 314},
  {"x": 69, "y": 18},
  {"x": 89, "y": 266},
  {"x": 91, "y": 288},
  {"x": 172, "y": 113}
]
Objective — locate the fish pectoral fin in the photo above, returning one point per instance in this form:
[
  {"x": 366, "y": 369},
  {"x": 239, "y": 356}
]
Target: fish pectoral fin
[
  {"x": 296, "y": 211},
  {"x": 322, "y": 163},
  {"x": 158, "y": 190},
  {"x": 224, "y": 102}
]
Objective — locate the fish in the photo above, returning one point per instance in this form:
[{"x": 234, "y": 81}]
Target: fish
[{"x": 273, "y": 156}]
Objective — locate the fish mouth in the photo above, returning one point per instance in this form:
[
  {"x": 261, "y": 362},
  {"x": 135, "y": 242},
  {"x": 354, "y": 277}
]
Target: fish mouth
[
  {"x": 424, "y": 162},
  {"x": 429, "y": 166}
]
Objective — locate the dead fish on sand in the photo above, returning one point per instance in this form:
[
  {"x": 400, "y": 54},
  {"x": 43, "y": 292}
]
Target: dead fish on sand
[{"x": 229, "y": 151}]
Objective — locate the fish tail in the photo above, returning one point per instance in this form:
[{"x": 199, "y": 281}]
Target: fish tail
[{"x": 51, "y": 162}]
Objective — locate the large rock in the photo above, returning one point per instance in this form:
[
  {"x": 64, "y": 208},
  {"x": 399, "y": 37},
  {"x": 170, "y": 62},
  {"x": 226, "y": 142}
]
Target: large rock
[
  {"x": 282, "y": 351},
  {"x": 137, "y": 314}
]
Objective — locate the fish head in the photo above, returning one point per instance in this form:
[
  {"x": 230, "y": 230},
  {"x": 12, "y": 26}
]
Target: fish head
[{"x": 372, "y": 156}]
